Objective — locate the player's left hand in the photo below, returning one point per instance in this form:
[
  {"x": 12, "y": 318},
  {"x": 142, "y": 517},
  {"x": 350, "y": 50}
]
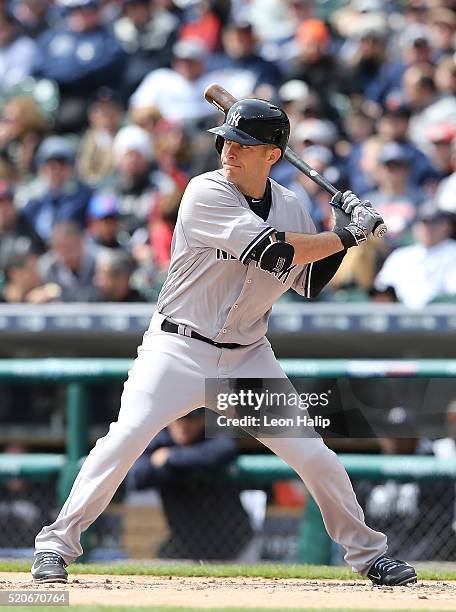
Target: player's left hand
[{"x": 349, "y": 200}]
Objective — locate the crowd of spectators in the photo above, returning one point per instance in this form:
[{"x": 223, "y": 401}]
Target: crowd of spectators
[{"x": 103, "y": 123}]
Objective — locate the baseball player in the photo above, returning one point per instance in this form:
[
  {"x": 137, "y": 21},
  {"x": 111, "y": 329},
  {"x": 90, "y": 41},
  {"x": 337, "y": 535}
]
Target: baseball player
[{"x": 241, "y": 240}]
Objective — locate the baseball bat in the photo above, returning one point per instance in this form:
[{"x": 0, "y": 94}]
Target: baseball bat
[{"x": 218, "y": 96}]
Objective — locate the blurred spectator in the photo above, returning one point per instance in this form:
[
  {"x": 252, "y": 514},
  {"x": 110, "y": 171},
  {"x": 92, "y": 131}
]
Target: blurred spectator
[
  {"x": 318, "y": 67},
  {"x": 22, "y": 128},
  {"x": 314, "y": 132},
  {"x": 22, "y": 280},
  {"x": 445, "y": 76},
  {"x": 17, "y": 52},
  {"x": 173, "y": 151},
  {"x": 395, "y": 199},
  {"x": 14, "y": 229},
  {"x": 362, "y": 165},
  {"x": 415, "y": 51},
  {"x": 421, "y": 272},
  {"x": 34, "y": 16},
  {"x": 61, "y": 195},
  {"x": 394, "y": 125},
  {"x": 298, "y": 101},
  {"x": 275, "y": 21},
  {"x": 137, "y": 181},
  {"x": 147, "y": 32},
  {"x": 356, "y": 14},
  {"x": 104, "y": 220},
  {"x": 70, "y": 263},
  {"x": 147, "y": 117},
  {"x": 445, "y": 197},
  {"x": 171, "y": 463},
  {"x": 161, "y": 228},
  {"x": 441, "y": 137},
  {"x": 443, "y": 31},
  {"x": 81, "y": 56},
  {"x": 95, "y": 157},
  {"x": 112, "y": 277},
  {"x": 427, "y": 106},
  {"x": 240, "y": 67},
  {"x": 368, "y": 56},
  {"x": 177, "y": 92},
  {"x": 201, "y": 22},
  {"x": 313, "y": 197}
]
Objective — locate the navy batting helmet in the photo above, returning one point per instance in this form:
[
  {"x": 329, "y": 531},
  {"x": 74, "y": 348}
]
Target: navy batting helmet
[{"x": 254, "y": 122}]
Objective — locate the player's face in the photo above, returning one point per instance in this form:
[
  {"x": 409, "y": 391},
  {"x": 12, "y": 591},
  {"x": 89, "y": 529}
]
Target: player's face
[{"x": 241, "y": 163}]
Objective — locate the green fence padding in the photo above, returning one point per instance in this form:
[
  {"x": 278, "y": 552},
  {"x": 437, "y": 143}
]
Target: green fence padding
[
  {"x": 98, "y": 370},
  {"x": 266, "y": 469},
  {"x": 35, "y": 466}
]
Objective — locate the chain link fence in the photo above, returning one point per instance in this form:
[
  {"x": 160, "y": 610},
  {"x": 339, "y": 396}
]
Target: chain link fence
[{"x": 223, "y": 523}]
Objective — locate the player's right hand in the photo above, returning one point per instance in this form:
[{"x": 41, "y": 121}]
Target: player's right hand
[{"x": 366, "y": 217}]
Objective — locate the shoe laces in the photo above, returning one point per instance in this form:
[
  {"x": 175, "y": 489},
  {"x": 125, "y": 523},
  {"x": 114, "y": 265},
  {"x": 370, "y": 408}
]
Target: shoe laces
[
  {"x": 52, "y": 559},
  {"x": 386, "y": 564}
]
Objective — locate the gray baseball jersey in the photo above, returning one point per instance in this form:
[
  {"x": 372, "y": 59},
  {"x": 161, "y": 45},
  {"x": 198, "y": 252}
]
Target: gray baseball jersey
[{"x": 209, "y": 286}]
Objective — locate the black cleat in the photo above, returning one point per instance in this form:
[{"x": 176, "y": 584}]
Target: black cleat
[
  {"x": 49, "y": 567},
  {"x": 391, "y": 572}
]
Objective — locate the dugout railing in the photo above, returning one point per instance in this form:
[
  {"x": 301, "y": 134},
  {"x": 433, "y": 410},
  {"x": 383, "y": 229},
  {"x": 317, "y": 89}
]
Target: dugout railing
[{"x": 249, "y": 470}]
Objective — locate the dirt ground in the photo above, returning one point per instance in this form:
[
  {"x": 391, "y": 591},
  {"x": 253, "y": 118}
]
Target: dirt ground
[{"x": 243, "y": 592}]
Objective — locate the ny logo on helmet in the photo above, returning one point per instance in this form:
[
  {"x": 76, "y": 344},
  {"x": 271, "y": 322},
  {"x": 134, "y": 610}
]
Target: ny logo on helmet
[{"x": 234, "y": 118}]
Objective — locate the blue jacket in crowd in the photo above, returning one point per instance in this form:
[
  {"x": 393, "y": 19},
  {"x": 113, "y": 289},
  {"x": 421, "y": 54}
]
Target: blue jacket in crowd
[{"x": 80, "y": 61}]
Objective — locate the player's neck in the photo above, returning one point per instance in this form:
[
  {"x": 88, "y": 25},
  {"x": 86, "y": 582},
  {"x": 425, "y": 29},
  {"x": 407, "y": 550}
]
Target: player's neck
[{"x": 254, "y": 188}]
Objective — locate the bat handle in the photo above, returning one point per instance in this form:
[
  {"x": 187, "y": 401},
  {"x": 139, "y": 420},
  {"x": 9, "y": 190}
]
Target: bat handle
[{"x": 380, "y": 228}]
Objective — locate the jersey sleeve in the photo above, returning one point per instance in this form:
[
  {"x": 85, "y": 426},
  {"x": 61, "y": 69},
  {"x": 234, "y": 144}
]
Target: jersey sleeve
[{"x": 212, "y": 216}]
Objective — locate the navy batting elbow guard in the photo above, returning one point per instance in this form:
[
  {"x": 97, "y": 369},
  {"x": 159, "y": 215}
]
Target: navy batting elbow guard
[{"x": 273, "y": 256}]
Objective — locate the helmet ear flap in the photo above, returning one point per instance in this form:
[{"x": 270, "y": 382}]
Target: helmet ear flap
[{"x": 219, "y": 144}]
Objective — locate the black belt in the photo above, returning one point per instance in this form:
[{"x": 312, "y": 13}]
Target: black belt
[{"x": 173, "y": 328}]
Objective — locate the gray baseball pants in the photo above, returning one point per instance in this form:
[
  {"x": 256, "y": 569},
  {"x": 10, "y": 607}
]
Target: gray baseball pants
[{"x": 166, "y": 382}]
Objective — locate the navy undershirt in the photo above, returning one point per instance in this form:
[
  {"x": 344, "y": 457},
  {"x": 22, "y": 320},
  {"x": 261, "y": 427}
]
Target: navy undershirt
[{"x": 263, "y": 206}]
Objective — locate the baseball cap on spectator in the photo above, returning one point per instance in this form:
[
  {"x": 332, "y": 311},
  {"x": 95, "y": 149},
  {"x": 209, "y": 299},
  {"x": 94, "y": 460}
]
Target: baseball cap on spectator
[
  {"x": 429, "y": 213},
  {"x": 132, "y": 138},
  {"x": 316, "y": 131},
  {"x": 70, "y": 5},
  {"x": 56, "y": 148},
  {"x": 368, "y": 6},
  {"x": 441, "y": 132},
  {"x": 394, "y": 153},
  {"x": 102, "y": 205},
  {"x": 313, "y": 30},
  {"x": 318, "y": 152},
  {"x": 369, "y": 26},
  {"x": 190, "y": 49},
  {"x": 6, "y": 190},
  {"x": 293, "y": 90},
  {"x": 415, "y": 35}
]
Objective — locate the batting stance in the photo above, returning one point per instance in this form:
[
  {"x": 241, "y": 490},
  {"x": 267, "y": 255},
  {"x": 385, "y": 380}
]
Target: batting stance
[{"x": 241, "y": 241}]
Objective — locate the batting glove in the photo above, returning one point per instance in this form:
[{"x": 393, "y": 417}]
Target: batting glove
[
  {"x": 366, "y": 217},
  {"x": 340, "y": 218},
  {"x": 348, "y": 201}
]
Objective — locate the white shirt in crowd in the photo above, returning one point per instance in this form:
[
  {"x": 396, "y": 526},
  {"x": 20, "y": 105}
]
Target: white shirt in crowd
[{"x": 419, "y": 274}]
